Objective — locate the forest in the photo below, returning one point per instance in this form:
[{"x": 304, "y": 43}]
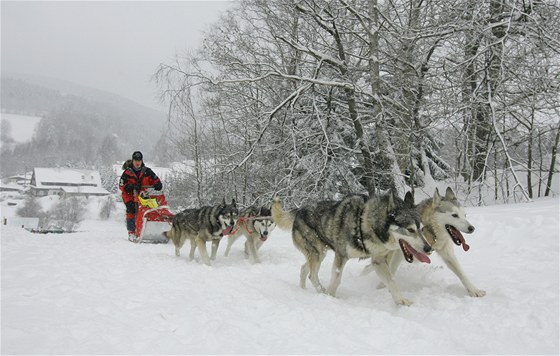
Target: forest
[
  {"x": 75, "y": 130},
  {"x": 315, "y": 99}
]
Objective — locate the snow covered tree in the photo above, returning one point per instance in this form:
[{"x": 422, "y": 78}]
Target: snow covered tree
[
  {"x": 340, "y": 96},
  {"x": 107, "y": 207},
  {"x": 30, "y": 208},
  {"x": 6, "y": 132},
  {"x": 69, "y": 212},
  {"x": 109, "y": 150}
]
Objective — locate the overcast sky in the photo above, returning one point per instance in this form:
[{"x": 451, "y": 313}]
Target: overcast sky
[{"x": 115, "y": 46}]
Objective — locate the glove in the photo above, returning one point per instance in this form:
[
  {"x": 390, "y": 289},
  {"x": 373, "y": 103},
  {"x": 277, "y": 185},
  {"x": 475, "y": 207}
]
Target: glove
[
  {"x": 129, "y": 188},
  {"x": 158, "y": 186}
]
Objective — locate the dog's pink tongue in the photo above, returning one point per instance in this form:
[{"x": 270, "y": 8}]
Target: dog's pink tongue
[
  {"x": 460, "y": 237},
  {"x": 419, "y": 256},
  {"x": 263, "y": 238},
  {"x": 227, "y": 230}
]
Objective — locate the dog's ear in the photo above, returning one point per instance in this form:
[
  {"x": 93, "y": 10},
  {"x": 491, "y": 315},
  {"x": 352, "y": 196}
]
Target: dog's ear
[
  {"x": 264, "y": 211},
  {"x": 437, "y": 198},
  {"x": 449, "y": 194},
  {"x": 409, "y": 200}
]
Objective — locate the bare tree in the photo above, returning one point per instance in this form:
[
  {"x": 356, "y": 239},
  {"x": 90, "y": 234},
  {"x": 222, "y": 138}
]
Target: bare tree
[
  {"x": 340, "y": 96},
  {"x": 69, "y": 212}
]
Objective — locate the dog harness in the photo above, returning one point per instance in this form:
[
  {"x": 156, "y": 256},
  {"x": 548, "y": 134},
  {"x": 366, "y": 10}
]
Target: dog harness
[
  {"x": 242, "y": 220},
  {"x": 359, "y": 236}
]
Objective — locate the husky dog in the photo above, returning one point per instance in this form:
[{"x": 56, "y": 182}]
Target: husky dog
[
  {"x": 355, "y": 227},
  {"x": 444, "y": 219},
  {"x": 255, "y": 224},
  {"x": 209, "y": 223}
]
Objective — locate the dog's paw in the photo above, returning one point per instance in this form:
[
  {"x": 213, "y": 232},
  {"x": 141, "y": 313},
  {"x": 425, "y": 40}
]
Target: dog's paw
[
  {"x": 477, "y": 293},
  {"x": 403, "y": 301}
]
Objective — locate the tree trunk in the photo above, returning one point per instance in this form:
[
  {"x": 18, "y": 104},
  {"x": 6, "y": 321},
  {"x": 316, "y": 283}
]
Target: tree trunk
[
  {"x": 552, "y": 168},
  {"x": 469, "y": 86},
  {"x": 530, "y": 163}
]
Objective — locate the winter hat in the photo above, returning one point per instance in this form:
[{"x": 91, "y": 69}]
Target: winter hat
[{"x": 137, "y": 155}]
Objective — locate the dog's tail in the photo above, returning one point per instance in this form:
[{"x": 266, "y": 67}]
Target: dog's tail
[
  {"x": 169, "y": 234},
  {"x": 283, "y": 219}
]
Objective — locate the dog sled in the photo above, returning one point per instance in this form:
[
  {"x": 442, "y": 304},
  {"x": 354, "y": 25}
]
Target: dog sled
[{"x": 153, "y": 218}]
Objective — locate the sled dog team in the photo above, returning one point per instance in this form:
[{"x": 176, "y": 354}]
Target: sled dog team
[
  {"x": 384, "y": 229},
  {"x": 211, "y": 223}
]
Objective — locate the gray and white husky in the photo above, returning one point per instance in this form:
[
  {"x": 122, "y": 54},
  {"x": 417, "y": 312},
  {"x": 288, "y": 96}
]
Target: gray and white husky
[
  {"x": 355, "y": 227},
  {"x": 444, "y": 219},
  {"x": 209, "y": 223},
  {"x": 255, "y": 224}
]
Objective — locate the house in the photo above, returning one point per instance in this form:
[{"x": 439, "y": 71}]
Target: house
[
  {"x": 10, "y": 187},
  {"x": 21, "y": 179},
  {"x": 16, "y": 184},
  {"x": 66, "y": 182}
]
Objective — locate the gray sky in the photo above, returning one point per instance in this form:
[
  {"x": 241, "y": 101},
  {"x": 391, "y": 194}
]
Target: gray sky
[{"x": 114, "y": 46}]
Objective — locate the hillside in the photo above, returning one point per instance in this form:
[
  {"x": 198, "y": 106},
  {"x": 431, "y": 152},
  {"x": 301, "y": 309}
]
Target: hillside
[{"x": 79, "y": 126}]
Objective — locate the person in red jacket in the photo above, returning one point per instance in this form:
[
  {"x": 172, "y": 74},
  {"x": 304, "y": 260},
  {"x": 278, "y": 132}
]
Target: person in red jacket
[{"x": 135, "y": 180}]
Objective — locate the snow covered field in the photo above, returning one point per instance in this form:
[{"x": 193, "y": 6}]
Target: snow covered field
[
  {"x": 93, "y": 292},
  {"x": 22, "y": 126}
]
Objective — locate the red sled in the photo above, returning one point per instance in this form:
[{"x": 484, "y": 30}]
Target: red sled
[{"x": 153, "y": 219}]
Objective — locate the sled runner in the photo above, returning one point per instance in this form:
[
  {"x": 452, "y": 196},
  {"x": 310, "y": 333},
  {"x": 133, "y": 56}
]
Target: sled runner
[{"x": 153, "y": 218}]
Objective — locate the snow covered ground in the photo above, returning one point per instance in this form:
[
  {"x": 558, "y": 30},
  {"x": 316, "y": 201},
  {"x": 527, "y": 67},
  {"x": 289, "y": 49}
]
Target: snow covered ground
[
  {"x": 93, "y": 292},
  {"x": 22, "y": 126}
]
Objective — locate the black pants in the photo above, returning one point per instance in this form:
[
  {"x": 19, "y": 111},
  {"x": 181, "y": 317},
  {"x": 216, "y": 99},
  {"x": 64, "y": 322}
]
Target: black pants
[{"x": 131, "y": 210}]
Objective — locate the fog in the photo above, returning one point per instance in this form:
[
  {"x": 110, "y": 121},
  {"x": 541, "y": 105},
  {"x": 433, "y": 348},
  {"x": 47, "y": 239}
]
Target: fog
[{"x": 112, "y": 46}]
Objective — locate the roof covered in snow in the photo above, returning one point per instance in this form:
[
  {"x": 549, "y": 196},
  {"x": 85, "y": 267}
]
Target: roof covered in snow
[
  {"x": 26, "y": 176},
  {"x": 52, "y": 177},
  {"x": 10, "y": 186}
]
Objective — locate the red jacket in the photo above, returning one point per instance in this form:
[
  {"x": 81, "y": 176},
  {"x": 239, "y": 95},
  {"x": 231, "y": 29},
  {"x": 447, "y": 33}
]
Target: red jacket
[{"x": 131, "y": 180}]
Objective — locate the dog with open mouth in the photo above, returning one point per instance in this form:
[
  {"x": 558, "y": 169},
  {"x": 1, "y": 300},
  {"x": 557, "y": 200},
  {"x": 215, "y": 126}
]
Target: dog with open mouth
[
  {"x": 358, "y": 226},
  {"x": 255, "y": 224},
  {"x": 444, "y": 221},
  {"x": 209, "y": 223}
]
